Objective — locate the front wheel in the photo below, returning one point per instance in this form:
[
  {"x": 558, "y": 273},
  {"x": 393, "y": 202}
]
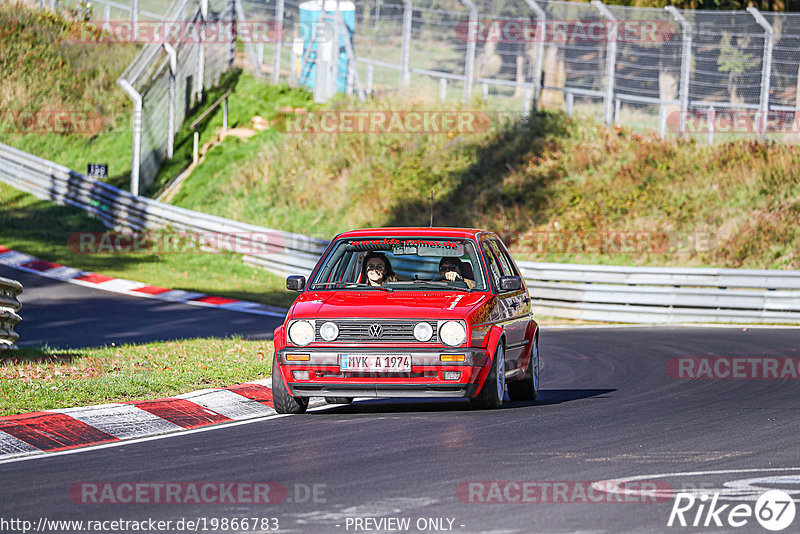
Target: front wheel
[
  {"x": 494, "y": 388},
  {"x": 527, "y": 389},
  {"x": 284, "y": 402}
]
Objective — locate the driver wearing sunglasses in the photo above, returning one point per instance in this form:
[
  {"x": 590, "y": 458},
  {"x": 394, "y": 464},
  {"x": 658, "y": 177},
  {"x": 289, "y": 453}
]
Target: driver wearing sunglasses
[{"x": 450, "y": 269}]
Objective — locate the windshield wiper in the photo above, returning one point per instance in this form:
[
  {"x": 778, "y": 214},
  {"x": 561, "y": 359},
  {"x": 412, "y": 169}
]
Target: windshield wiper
[
  {"x": 439, "y": 283},
  {"x": 352, "y": 284}
]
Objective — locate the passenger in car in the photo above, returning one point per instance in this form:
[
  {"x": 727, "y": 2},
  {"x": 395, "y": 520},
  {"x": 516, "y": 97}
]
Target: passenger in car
[
  {"x": 452, "y": 269},
  {"x": 377, "y": 270}
]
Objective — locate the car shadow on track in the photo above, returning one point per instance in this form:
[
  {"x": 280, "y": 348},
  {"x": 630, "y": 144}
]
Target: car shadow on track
[{"x": 366, "y": 406}]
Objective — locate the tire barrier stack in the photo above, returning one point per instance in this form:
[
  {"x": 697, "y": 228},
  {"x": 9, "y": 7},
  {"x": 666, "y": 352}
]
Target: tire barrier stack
[
  {"x": 9, "y": 306},
  {"x": 588, "y": 292}
]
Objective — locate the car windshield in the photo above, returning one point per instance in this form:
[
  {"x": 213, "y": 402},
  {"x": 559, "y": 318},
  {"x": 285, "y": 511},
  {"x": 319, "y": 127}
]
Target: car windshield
[{"x": 414, "y": 264}]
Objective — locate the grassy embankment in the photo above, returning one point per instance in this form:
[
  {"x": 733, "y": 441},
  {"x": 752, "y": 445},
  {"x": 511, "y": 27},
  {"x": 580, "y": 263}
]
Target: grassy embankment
[
  {"x": 44, "y": 69},
  {"x": 558, "y": 189}
]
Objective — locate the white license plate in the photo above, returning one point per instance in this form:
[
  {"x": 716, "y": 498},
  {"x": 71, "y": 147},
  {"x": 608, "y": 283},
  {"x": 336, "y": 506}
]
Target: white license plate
[{"x": 375, "y": 364}]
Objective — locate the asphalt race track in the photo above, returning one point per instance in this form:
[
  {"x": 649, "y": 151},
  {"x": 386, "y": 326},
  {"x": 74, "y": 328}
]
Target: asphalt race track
[
  {"x": 66, "y": 315},
  {"x": 608, "y": 409}
]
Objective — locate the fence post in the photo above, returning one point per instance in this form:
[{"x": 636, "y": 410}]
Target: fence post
[
  {"x": 686, "y": 65},
  {"x": 201, "y": 52},
  {"x": 251, "y": 50},
  {"x": 442, "y": 89},
  {"x": 472, "y": 36},
  {"x": 134, "y": 11},
  {"x": 278, "y": 33},
  {"x": 136, "y": 150},
  {"x": 368, "y": 83},
  {"x": 107, "y": 13},
  {"x": 568, "y": 103},
  {"x": 538, "y": 53},
  {"x": 173, "y": 70},
  {"x": 711, "y": 118},
  {"x": 766, "y": 70},
  {"x": 408, "y": 11},
  {"x": 611, "y": 60},
  {"x": 662, "y": 121}
]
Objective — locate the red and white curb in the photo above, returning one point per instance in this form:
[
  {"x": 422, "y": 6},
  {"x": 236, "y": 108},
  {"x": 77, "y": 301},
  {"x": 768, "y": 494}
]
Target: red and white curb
[
  {"x": 72, "y": 428},
  {"x": 25, "y": 262}
]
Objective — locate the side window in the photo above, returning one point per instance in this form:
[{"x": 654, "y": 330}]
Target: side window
[
  {"x": 491, "y": 260},
  {"x": 506, "y": 266}
]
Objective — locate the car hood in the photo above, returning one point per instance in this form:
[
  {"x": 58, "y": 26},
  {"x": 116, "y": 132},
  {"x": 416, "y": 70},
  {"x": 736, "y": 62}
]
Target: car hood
[{"x": 380, "y": 304}]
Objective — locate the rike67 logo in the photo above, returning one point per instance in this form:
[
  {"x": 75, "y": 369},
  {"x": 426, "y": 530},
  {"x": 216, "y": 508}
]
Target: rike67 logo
[{"x": 774, "y": 510}]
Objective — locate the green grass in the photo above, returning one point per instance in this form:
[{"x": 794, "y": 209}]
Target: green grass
[
  {"x": 42, "y": 229},
  {"x": 42, "y": 379}
]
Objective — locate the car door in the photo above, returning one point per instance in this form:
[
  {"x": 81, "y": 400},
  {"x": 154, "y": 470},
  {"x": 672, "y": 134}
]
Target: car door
[{"x": 516, "y": 304}]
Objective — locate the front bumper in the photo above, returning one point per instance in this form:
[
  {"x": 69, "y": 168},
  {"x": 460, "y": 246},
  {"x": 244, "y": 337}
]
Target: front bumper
[{"x": 426, "y": 378}]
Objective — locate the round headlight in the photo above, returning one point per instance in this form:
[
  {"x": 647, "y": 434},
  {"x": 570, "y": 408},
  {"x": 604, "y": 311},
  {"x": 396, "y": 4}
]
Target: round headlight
[
  {"x": 423, "y": 332},
  {"x": 301, "y": 333},
  {"x": 452, "y": 333},
  {"x": 329, "y": 331}
]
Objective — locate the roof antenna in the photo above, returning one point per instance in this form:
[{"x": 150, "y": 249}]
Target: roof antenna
[{"x": 431, "y": 207}]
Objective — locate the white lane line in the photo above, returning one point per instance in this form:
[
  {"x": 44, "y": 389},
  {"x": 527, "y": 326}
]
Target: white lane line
[
  {"x": 37, "y": 455},
  {"x": 123, "y": 421}
]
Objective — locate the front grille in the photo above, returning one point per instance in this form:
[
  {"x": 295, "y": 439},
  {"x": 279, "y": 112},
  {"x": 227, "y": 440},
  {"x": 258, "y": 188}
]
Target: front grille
[{"x": 361, "y": 331}]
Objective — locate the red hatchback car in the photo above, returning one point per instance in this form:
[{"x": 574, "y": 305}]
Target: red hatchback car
[{"x": 408, "y": 312}]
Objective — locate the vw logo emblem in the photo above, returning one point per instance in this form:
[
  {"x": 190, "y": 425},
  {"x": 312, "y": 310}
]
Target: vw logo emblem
[{"x": 375, "y": 330}]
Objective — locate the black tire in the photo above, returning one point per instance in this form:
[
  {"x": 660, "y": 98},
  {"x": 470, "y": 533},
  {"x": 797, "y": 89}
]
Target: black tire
[
  {"x": 493, "y": 390},
  {"x": 339, "y": 400},
  {"x": 527, "y": 389},
  {"x": 283, "y": 401}
]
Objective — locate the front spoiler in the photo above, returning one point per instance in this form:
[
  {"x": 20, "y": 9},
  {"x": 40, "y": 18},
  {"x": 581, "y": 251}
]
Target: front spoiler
[
  {"x": 436, "y": 390},
  {"x": 426, "y": 379}
]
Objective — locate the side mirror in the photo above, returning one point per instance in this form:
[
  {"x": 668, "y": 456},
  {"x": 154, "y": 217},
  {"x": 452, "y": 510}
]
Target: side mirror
[
  {"x": 296, "y": 283},
  {"x": 510, "y": 283}
]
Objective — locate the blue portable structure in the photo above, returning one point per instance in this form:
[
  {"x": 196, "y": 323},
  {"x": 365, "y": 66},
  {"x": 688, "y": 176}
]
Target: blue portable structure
[{"x": 311, "y": 14}]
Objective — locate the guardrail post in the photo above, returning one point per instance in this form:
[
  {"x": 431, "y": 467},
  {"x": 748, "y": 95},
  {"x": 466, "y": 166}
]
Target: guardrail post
[
  {"x": 686, "y": 65},
  {"x": 368, "y": 83},
  {"x": 472, "y": 37},
  {"x": 134, "y": 11},
  {"x": 538, "y": 52},
  {"x": 568, "y": 103},
  {"x": 442, "y": 89},
  {"x": 662, "y": 121},
  {"x": 107, "y": 13},
  {"x": 225, "y": 115},
  {"x": 766, "y": 70},
  {"x": 196, "y": 146},
  {"x": 611, "y": 60},
  {"x": 278, "y": 33},
  {"x": 136, "y": 149},
  {"x": 408, "y": 11},
  {"x": 617, "y": 104}
]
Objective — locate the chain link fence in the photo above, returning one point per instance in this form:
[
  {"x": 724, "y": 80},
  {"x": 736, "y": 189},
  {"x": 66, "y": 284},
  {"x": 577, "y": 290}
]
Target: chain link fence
[{"x": 716, "y": 74}]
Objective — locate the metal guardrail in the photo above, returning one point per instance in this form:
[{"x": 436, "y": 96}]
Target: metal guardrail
[
  {"x": 663, "y": 295},
  {"x": 9, "y": 306},
  {"x": 590, "y": 292},
  {"x": 280, "y": 252}
]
